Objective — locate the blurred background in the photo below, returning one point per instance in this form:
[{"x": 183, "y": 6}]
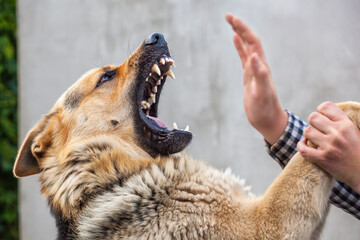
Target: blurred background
[
  {"x": 312, "y": 48},
  {"x": 8, "y": 120}
]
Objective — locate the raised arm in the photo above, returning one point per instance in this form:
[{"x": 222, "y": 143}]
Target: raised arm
[{"x": 261, "y": 102}]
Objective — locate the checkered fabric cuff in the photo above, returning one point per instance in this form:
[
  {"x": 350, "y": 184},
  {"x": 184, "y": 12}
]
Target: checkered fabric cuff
[
  {"x": 345, "y": 198},
  {"x": 285, "y": 147}
]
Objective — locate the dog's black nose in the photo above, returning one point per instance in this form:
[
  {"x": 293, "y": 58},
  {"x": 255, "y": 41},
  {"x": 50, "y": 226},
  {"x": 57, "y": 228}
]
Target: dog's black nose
[{"x": 155, "y": 39}]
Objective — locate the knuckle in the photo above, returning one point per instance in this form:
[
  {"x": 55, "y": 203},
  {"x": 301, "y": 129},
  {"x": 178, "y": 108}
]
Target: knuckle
[
  {"x": 338, "y": 136},
  {"x": 263, "y": 72},
  {"x": 313, "y": 117},
  {"x": 307, "y": 131},
  {"x": 324, "y": 105}
]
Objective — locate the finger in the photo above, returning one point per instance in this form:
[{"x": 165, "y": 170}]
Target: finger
[
  {"x": 259, "y": 69},
  {"x": 239, "y": 45},
  {"x": 331, "y": 111},
  {"x": 244, "y": 31},
  {"x": 315, "y": 136},
  {"x": 241, "y": 28},
  {"x": 247, "y": 35},
  {"x": 229, "y": 17},
  {"x": 248, "y": 75},
  {"x": 311, "y": 154},
  {"x": 320, "y": 122}
]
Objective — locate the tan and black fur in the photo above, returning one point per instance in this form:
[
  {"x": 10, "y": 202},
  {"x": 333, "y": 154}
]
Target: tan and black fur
[{"x": 108, "y": 172}]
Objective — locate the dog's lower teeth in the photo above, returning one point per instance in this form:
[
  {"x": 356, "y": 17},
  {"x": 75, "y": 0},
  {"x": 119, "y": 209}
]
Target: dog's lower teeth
[
  {"x": 145, "y": 105},
  {"x": 175, "y": 126}
]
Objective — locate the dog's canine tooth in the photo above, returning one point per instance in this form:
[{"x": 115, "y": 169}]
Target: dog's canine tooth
[
  {"x": 147, "y": 79},
  {"x": 175, "y": 126},
  {"x": 170, "y": 74},
  {"x": 187, "y": 128},
  {"x": 156, "y": 69},
  {"x": 162, "y": 61}
]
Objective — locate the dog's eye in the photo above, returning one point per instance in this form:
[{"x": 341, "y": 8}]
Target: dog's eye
[{"x": 107, "y": 76}]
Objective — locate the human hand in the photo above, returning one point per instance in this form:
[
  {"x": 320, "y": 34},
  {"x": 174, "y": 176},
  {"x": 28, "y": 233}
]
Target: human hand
[
  {"x": 338, "y": 144},
  {"x": 261, "y": 102}
]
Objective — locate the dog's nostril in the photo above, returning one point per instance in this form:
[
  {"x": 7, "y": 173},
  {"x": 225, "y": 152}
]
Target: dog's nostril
[{"x": 155, "y": 39}]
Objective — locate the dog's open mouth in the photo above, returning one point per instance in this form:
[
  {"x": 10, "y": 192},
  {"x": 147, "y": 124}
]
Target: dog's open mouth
[
  {"x": 152, "y": 133},
  {"x": 153, "y": 86}
]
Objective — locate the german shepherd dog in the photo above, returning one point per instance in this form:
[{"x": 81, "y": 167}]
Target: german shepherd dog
[{"x": 110, "y": 169}]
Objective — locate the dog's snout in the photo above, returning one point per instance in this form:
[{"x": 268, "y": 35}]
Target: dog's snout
[{"x": 155, "y": 39}]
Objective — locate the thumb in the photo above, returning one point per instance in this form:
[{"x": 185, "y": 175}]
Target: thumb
[
  {"x": 306, "y": 151},
  {"x": 259, "y": 69}
]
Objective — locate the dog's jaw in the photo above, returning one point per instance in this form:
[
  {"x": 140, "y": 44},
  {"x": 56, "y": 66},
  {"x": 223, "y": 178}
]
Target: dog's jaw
[{"x": 153, "y": 136}]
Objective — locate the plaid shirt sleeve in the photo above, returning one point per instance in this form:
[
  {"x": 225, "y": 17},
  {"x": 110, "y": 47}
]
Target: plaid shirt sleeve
[{"x": 342, "y": 195}]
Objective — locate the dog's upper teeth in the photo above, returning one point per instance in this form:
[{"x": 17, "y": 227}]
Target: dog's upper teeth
[
  {"x": 187, "y": 128},
  {"x": 170, "y": 74},
  {"x": 159, "y": 82},
  {"x": 156, "y": 69},
  {"x": 172, "y": 62},
  {"x": 162, "y": 61},
  {"x": 152, "y": 97},
  {"x": 175, "y": 126},
  {"x": 155, "y": 89}
]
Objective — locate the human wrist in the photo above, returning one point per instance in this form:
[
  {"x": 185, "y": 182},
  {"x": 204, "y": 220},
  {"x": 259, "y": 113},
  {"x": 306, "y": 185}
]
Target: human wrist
[
  {"x": 357, "y": 188},
  {"x": 274, "y": 130}
]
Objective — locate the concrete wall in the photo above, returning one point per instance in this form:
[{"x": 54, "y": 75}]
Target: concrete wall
[{"x": 312, "y": 48}]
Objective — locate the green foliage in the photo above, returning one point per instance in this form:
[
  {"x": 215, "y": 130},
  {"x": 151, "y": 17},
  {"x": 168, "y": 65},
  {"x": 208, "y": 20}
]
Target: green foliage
[{"x": 8, "y": 120}]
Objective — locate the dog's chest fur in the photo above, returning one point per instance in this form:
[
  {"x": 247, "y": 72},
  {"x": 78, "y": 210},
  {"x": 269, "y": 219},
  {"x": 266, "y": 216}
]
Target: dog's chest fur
[{"x": 96, "y": 195}]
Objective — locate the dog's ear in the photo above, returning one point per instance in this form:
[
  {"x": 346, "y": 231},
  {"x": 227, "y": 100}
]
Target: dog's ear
[{"x": 33, "y": 148}]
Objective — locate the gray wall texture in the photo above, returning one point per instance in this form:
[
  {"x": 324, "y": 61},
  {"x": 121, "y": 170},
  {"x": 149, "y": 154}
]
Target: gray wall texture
[{"x": 312, "y": 48}]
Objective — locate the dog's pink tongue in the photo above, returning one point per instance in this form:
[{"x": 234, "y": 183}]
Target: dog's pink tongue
[{"x": 158, "y": 121}]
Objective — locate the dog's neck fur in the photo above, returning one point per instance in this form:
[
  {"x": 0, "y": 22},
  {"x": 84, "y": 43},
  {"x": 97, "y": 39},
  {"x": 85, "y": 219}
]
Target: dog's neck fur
[{"x": 70, "y": 179}]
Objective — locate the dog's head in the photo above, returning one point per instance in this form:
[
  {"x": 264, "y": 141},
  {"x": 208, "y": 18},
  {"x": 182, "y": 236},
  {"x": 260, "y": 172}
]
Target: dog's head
[{"x": 118, "y": 102}]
